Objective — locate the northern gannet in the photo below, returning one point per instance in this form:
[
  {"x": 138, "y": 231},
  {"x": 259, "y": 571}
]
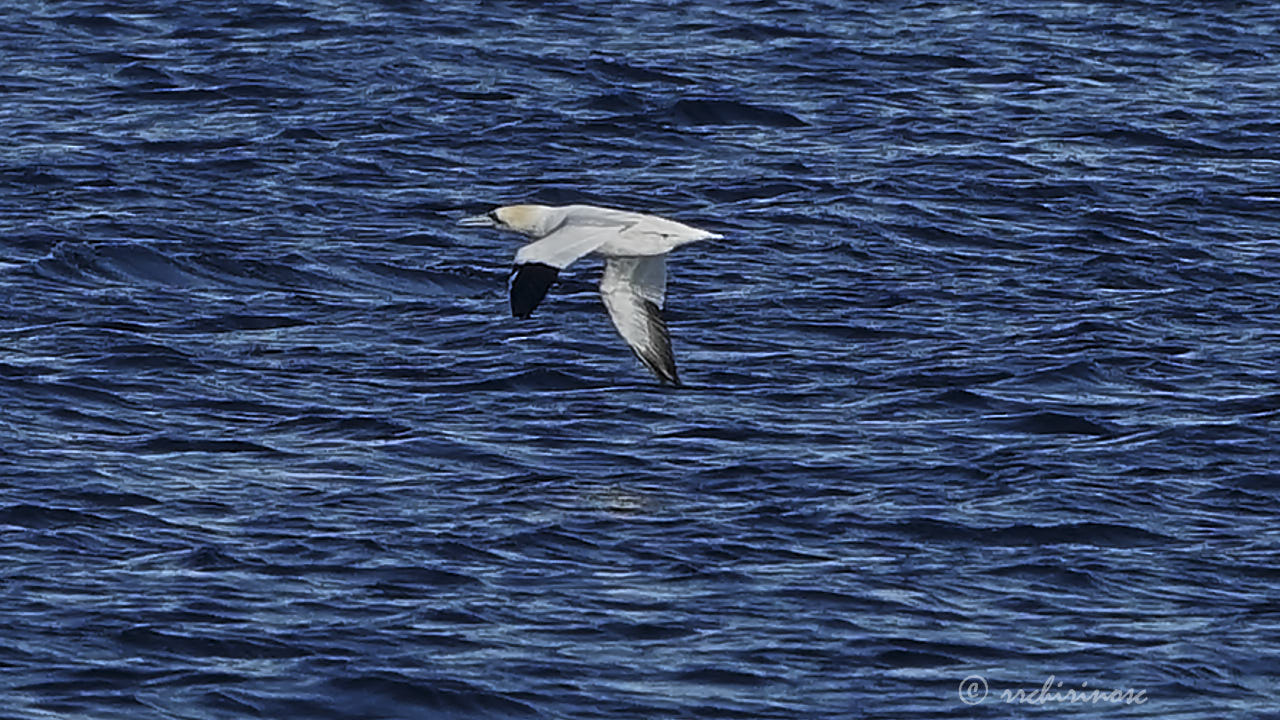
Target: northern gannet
[{"x": 634, "y": 283}]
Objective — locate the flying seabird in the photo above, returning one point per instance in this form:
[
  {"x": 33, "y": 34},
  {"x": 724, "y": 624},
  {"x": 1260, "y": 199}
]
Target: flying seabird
[{"x": 634, "y": 283}]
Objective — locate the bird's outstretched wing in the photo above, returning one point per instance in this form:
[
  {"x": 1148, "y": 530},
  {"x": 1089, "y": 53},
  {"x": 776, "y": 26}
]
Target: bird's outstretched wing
[
  {"x": 539, "y": 263},
  {"x": 633, "y": 289}
]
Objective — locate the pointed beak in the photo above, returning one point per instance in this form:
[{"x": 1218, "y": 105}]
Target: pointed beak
[{"x": 477, "y": 221}]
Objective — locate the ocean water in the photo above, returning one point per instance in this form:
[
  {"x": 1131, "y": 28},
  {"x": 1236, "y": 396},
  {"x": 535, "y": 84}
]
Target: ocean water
[{"x": 982, "y": 388}]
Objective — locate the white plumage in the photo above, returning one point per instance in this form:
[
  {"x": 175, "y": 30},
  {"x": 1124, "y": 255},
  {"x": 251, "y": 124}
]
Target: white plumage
[{"x": 634, "y": 284}]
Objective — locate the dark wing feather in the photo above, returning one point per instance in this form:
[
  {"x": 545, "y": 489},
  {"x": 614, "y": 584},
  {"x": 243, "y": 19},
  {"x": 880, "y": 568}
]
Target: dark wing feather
[
  {"x": 529, "y": 284},
  {"x": 657, "y": 355}
]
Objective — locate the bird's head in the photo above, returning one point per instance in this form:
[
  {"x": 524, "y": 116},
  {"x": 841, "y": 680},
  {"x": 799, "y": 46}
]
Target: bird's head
[{"x": 524, "y": 219}]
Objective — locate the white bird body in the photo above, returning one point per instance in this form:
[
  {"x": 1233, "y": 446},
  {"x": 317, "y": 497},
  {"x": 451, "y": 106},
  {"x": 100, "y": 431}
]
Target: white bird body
[{"x": 634, "y": 283}]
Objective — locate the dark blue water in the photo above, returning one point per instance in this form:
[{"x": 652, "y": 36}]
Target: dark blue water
[{"x": 983, "y": 380}]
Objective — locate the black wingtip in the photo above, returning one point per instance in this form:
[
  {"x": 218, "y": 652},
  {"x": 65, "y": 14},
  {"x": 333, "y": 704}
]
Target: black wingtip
[
  {"x": 665, "y": 374},
  {"x": 529, "y": 284},
  {"x": 661, "y": 361}
]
